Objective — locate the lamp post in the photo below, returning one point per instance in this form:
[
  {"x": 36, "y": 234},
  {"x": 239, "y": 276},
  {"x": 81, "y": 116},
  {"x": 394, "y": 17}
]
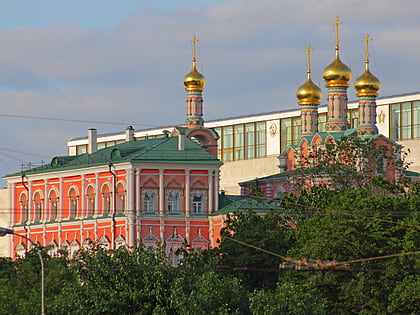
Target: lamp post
[{"x": 3, "y": 232}]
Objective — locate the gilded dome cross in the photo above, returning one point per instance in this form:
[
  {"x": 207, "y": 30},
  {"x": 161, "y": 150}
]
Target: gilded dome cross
[
  {"x": 194, "y": 42},
  {"x": 367, "y": 49},
  {"x": 309, "y": 58},
  {"x": 336, "y": 23}
]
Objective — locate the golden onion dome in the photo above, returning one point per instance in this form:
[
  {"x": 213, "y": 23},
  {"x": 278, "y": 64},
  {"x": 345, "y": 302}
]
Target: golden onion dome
[
  {"x": 194, "y": 79},
  {"x": 308, "y": 93},
  {"x": 337, "y": 72},
  {"x": 367, "y": 83}
]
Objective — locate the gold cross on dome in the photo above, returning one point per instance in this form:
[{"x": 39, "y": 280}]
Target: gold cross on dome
[
  {"x": 194, "y": 42},
  {"x": 336, "y": 23},
  {"x": 309, "y": 57},
  {"x": 367, "y": 47}
]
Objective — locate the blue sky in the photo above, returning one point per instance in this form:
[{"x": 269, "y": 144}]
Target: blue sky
[
  {"x": 124, "y": 61},
  {"x": 100, "y": 14}
]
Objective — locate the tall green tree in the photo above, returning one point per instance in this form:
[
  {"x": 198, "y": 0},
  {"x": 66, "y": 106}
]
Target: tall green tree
[
  {"x": 356, "y": 225},
  {"x": 270, "y": 231}
]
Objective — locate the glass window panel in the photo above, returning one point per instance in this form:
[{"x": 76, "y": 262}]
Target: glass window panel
[
  {"x": 406, "y": 132},
  {"x": 239, "y": 142},
  {"x": 101, "y": 145},
  {"x": 286, "y": 133},
  {"x": 250, "y": 141},
  {"x": 219, "y": 143},
  {"x": 416, "y": 112},
  {"x": 296, "y": 121},
  {"x": 406, "y": 114},
  {"x": 395, "y": 121},
  {"x": 227, "y": 137},
  {"x": 354, "y": 118},
  {"x": 81, "y": 149},
  {"x": 322, "y": 122},
  {"x": 261, "y": 139},
  {"x": 416, "y": 120}
]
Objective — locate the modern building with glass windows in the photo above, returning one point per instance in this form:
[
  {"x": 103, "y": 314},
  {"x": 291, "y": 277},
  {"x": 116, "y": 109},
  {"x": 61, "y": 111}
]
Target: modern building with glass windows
[{"x": 249, "y": 145}]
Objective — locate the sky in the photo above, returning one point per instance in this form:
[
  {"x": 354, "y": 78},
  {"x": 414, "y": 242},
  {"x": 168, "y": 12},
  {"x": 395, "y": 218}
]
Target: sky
[{"x": 67, "y": 66}]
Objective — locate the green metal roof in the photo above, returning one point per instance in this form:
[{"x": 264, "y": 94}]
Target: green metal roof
[
  {"x": 245, "y": 203},
  {"x": 161, "y": 150}
]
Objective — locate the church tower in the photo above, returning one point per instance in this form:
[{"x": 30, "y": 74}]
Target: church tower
[
  {"x": 367, "y": 86},
  {"x": 309, "y": 95},
  {"x": 194, "y": 85},
  {"x": 337, "y": 75}
]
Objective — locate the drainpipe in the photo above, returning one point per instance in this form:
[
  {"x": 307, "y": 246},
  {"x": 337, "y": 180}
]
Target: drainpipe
[
  {"x": 92, "y": 140},
  {"x": 25, "y": 224}
]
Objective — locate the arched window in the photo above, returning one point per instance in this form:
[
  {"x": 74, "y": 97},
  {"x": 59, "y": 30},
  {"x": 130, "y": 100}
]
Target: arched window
[
  {"x": 74, "y": 202},
  {"x": 120, "y": 241},
  {"x": 74, "y": 248},
  {"x": 106, "y": 199},
  {"x": 53, "y": 201},
  {"x": 104, "y": 242},
  {"x": 52, "y": 248},
  {"x": 20, "y": 250},
  {"x": 173, "y": 243},
  {"x": 65, "y": 247},
  {"x": 90, "y": 196},
  {"x": 37, "y": 207},
  {"x": 120, "y": 198},
  {"x": 23, "y": 207}
]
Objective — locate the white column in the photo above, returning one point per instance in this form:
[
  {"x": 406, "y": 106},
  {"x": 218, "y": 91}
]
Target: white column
[
  {"x": 161, "y": 193},
  {"x": 97, "y": 196},
  {"x": 130, "y": 208},
  {"x": 60, "y": 199},
  {"x": 44, "y": 214},
  {"x": 187, "y": 193},
  {"x": 83, "y": 203},
  {"x": 211, "y": 193},
  {"x": 138, "y": 203},
  {"x": 138, "y": 192},
  {"x": 11, "y": 205},
  {"x": 30, "y": 205},
  {"x": 216, "y": 190},
  {"x": 45, "y": 207},
  {"x": 161, "y": 205}
]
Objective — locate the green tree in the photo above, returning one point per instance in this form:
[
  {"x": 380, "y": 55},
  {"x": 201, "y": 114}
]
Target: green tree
[
  {"x": 350, "y": 161},
  {"x": 208, "y": 292},
  {"x": 270, "y": 232},
  {"x": 358, "y": 224},
  {"x": 20, "y": 282},
  {"x": 117, "y": 282},
  {"x": 286, "y": 299}
]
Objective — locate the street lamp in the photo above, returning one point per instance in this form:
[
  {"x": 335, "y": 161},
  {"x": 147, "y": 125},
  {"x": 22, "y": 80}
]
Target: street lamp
[{"x": 3, "y": 232}]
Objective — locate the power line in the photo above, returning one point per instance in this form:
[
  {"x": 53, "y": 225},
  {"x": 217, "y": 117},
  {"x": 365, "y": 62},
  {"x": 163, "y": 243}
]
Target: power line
[
  {"x": 318, "y": 264},
  {"x": 76, "y": 120}
]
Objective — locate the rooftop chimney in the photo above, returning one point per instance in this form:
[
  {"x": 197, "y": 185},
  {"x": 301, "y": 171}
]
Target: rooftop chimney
[
  {"x": 92, "y": 140},
  {"x": 181, "y": 142},
  {"x": 129, "y": 134}
]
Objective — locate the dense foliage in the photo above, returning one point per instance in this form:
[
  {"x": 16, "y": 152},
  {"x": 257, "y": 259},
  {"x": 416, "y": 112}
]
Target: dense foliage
[{"x": 352, "y": 226}]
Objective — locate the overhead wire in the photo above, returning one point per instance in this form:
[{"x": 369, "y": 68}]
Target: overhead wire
[
  {"x": 77, "y": 120},
  {"x": 336, "y": 263}
]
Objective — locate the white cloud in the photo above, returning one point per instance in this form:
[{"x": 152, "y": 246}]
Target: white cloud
[{"x": 251, "y": 53}]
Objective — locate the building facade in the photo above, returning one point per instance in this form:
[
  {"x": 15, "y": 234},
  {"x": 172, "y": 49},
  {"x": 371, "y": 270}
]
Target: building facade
[
  {"x": 152, "y": 191},
  {"x": 249, "y": 145}
]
